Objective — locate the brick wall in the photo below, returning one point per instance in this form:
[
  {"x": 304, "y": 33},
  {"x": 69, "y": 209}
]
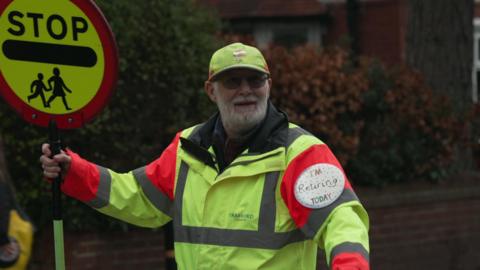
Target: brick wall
[
  {"x": 476, "y": 10},
  {"x": 412, "y": 227},
  {"x": 428, "y": 227},
  {"x": 141, "y": 249},
  {"x": 382, "y": 29}
]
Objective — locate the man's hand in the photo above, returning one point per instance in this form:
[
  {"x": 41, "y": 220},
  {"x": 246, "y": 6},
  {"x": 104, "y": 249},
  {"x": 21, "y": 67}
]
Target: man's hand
[{"x": 53, "y": 167}]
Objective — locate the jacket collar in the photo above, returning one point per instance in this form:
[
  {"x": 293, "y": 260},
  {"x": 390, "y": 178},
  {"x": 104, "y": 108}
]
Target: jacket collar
[{"x": 270, "y": 135}]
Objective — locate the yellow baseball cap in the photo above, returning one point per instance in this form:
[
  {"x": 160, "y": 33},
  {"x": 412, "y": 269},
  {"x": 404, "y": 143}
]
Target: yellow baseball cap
[{"x": 237, "y": 55}]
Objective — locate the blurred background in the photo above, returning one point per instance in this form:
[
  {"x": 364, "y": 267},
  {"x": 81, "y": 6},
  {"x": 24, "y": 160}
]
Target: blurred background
[{"x": 392, "y": 86}]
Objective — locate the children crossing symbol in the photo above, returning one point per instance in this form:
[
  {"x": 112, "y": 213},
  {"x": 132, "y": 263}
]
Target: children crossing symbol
[{"x": 58, "y": 59}]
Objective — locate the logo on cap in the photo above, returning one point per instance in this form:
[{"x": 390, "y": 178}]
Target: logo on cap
[{"x": 239, "y": 54}]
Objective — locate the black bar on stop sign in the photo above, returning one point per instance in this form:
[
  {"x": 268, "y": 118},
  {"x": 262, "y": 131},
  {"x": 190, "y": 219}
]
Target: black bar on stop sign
[{"x": 49, "y": 53}]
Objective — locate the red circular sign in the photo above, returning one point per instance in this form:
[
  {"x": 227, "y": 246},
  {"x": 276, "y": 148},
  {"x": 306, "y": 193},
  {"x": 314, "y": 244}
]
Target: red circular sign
[{"x": 47, "y": 40}]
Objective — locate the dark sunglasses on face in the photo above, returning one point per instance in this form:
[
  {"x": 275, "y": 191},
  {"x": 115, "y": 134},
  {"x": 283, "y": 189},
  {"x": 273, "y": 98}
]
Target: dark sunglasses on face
[{"x": 254, "y": 81}]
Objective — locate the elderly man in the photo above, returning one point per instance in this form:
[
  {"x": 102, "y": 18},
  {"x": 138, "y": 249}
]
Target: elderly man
[{"x": 246, "y": 189}]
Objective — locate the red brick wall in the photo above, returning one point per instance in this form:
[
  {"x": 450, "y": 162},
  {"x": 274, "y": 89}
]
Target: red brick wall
[
  {"x": 382, "y": 30},
  {"x": 381, "y": 26},
  {"x": 431, "y": 228},
  {"x": 477, "y": 10},
  {"x": 412, "y": 227},
  {"x": 141, "y": 249}
]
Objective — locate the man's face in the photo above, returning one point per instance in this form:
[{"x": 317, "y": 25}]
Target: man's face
[{"x": 241, "y": 96}]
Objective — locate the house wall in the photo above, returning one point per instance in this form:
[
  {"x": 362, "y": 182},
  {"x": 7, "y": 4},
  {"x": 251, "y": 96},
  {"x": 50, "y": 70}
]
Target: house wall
[
  {"x": 418, "y": 226},
  {"x": 477, "y": 9},
  {"x": 382, "y": 28}
]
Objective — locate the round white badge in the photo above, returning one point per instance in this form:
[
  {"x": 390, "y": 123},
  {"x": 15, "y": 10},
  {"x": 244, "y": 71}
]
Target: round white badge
[{"x": 319, "y": 185}]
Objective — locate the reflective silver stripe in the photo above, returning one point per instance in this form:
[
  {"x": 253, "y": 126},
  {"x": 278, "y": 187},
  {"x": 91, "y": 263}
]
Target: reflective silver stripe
[
  {"x": 237, "y": 238},
  {"x": 102, "y": 198},
  {"x": 265, "y": 237},
  {"x": 294, "y": 133},
  {"x": 154, "y": 195},
  {"x": 266, "y": 218},
  {"x": 350, "y": 248},
  {"x": 246, "y": 162},
  {"x": 179, "y": 189},
  {"x": 318, "y": 216},
  {"x": 179, "y": 231}
]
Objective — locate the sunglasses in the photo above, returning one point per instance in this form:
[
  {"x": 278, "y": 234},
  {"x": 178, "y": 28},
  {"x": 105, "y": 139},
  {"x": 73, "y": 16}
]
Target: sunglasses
[{"x": 254, "y": 81}]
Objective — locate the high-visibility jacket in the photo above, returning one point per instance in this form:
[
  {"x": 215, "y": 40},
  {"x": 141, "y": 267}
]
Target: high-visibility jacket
[{"x": 254, "y": 214}]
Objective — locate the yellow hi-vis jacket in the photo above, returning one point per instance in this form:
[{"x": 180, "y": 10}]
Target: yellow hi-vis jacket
[{"x": 271, "y": 208}]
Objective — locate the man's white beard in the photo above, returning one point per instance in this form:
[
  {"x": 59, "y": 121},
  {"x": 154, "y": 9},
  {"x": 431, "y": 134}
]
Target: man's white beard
[{"x": 238, "y": 124}]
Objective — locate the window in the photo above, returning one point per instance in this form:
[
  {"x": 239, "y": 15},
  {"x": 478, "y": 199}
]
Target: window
[
  {"x": 476, "y": 61},
  {"x": 288, "y": 34}
]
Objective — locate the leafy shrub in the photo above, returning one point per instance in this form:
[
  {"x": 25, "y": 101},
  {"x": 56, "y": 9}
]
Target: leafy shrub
[
  {"x": 315, "y": 91},
  {"x": 385, "y": 125},
  {"x": 475, "y": 138}
]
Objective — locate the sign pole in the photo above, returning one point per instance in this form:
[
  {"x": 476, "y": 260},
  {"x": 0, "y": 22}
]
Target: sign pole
[
  {"x": 58, "y": 67},
  {"x": 55, "y": 146}
]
